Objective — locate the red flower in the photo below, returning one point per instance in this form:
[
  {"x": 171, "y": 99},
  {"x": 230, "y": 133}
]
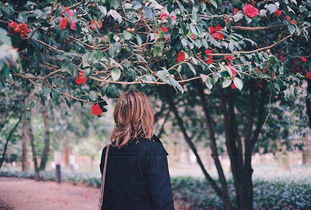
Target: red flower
[
  {"x": 303, "y": 59},
  {"x": 208, "y": 52},
  {"x": 95, "y": 24},
  {"x": 287, "y": 18},
  {"x": 214, "y": 29},
  {"x": 214, "y": 32},
  {"x": 250, "y": 10},
  {"x": 96, "y": 110},
  {"x": 63, "y": 23},
  {"x": 72, "y": 25},
  {"x": 163, "y": 16},
  {"x": 282, "y": 58},
  {"x": 230, "y": 58},
  {"x": 173, "y": 17},
  {"x": 209, "y": 60},
  {"x": 293, "y": 22},
  {"x": 233, "y": 86},
  {"x": 233, "y": 71},
  {"x": 21, "y": 28},
  {"x": 235, "y": 10},
  {"x": 264, "y": 71},
  {"x": 217, "y": 35},
  {"x": 164, "y": 29},
  {"x": 81, "y": 79},
  {"x": 12, "y": 24},
  {"x": 193, "y": 36},
  {"x": 308, "y": 75},
  {"x": 278, "y": 12},
  {"x": 181, "y": 56}
]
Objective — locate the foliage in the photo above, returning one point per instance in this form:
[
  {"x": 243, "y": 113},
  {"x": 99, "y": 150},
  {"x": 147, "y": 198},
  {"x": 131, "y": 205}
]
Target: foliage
[
  {"x": 267, "y": 194},
  {"x": 77, "y": 49}
]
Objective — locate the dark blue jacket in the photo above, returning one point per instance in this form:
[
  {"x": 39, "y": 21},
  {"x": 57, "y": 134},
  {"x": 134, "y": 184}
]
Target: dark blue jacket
[{"x": 137, "y": 177}]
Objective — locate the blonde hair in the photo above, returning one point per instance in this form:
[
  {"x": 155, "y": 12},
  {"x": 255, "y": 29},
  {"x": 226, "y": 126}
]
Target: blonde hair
[{"x": 133, "y": 116}]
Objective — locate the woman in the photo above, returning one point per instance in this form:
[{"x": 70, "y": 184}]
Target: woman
[{"x": 137, "y": 176}]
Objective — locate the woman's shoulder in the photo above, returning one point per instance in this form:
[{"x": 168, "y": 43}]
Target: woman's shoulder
[
  {"x": 154, "y": 146},
  {"x": 140, "y": 146}
]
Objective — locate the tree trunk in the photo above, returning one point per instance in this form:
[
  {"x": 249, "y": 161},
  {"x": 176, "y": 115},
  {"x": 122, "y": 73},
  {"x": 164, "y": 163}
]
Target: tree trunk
[
  {"x": 213, "y": 184},
  {"x": 46, "y": 149},
  {"x": 34, "y": 154},
  {"x": 213, "y": 146},
  {"x": 8, "y": 140},
  {"x": 25, "y": 142}
]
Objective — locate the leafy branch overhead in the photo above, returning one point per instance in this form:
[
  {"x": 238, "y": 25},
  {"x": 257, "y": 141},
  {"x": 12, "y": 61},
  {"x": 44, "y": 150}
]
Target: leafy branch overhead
[{"x": 74, "y": 47}]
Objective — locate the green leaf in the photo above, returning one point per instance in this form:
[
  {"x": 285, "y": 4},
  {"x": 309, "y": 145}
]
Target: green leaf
[
  {"x": 291, "y": 29},
  {"x": 148, "y": 12},
  {"x": 115, "y": 15},
  {"x": 139, "y": 40},
  {"x": 238, "y": 83},
  {"x": 226, "y": 83},
  {"x": 115, "y": 74},
  {"x": 192, "y": 68},
  {"x": 4, "y": 38},
  {"x": 127, "y": 35},
  {"x": 176, "y": 85},
  {"x": 103, "y": 10},
  {"x": 214, "y": 3}
]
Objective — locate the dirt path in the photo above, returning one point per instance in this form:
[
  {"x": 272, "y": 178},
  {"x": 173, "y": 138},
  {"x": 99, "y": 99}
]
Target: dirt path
[{"x": 27, "y": 194}]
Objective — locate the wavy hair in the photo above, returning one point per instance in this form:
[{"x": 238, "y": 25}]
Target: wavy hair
[{"x": 133, "y": 116}]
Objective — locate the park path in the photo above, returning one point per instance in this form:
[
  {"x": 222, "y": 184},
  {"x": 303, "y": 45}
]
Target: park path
[{"x": 27, "y": 194}]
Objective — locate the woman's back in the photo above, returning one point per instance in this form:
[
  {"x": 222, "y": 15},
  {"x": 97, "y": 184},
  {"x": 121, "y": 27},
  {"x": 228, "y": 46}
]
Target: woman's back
[{"x": 137, "y": 176}]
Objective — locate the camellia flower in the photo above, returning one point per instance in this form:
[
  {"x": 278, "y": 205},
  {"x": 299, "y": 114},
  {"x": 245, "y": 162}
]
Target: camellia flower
[
  {"x": 308, "y": 75},
  {"x": 73, "y": 25},
  {"x": 164, "y": 29},
  {"x": 21, "y": 28},
  {"x": 293, "y": 22},
  {"x": 230, "y": 58},
  {"x": 217, "y": 35},
  {"x": 209, "y": 60},
  {"x": 214, "y": 31},
  {"x": 81, "y": 79},
  {"x": 208, "y": 52},
  {"x": 63, "y": 23},
  {"x": 235, "y": 10},
  {"x": 163, "y": 16},
  {"x": 278, "y": 12},
  {"x": 95, "y": 24},
  {"x": 233, "y": 71},
  {"x": 303, "y": 59},
  {"x": 250, "y": 10},
  {"x": 282, "y": 58},
  {"x": 287, "y": 18},
  {"x": 96, "y": 109},
  {"x": 181, "y": 56}
]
